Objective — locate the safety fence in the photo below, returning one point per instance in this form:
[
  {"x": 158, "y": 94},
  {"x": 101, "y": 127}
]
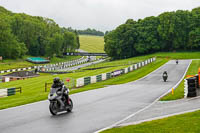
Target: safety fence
[
  {"x": 104, "y": 76},
  {"x": 49, "y": 67},
  {"x": 9, "y": 91}
]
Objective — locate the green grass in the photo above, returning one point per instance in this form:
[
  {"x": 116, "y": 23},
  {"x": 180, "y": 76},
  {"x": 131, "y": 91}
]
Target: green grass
[
  {"x": 33, "y": 89},
  {"x": 178, "y": 55},
  {"x": 21, "y": 63},
  {"x": 124, "y": 62},
  {"x": 179, "y": 91},
  {"x": 185, "y": 123},
  {"x": 94, "y": 44}
]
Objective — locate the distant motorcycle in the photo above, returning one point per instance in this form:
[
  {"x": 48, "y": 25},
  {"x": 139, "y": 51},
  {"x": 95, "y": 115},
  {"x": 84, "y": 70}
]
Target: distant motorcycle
[
  {"x": 165, "y": 76},
  {"x": 177, "y": 62},
  {"x": 55, "y": 106}
]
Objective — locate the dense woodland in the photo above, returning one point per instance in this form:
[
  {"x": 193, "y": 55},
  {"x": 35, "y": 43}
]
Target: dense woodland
[
  {"x": 88, "y": 31},
  {"x": 22, "y": 34},
  {"x": 170, "y": 31}
]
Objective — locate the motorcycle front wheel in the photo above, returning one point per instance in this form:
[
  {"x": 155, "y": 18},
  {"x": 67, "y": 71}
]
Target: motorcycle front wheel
[
  {"x": 70, "y": 106},
  {"x": 53, "y": 108}
]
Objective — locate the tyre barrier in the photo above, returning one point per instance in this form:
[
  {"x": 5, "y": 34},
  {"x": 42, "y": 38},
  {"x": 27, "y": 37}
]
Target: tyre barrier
[
  {"x": 191, "y": 88},
  {"x": 104, "y": 76},
  {"x": 9, "y": 91}
]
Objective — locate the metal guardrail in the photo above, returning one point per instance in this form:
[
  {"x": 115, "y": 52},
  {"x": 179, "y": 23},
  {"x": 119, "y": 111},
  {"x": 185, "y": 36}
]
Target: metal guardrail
[{"x": 84, "y": 54}]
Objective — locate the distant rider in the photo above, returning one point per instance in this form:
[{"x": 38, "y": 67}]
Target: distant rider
[
  {"x": 176, "y": 61},
  {"x": 165, "y": 73}
]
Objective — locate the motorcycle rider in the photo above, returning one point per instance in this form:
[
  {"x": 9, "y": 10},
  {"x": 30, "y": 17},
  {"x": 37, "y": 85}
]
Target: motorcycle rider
[
  {"x": 176, "y": 61},
  {"x": 165, "y": 76},
  {"x": 164, "y": 73},
  {"x": 57, "y": 83}
]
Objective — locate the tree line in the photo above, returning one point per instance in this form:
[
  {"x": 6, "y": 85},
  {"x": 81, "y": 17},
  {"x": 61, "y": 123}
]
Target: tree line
[
  {"x": 88, "y": 31},
  {"x": 170, "y": 31},
  {"x": 22, "y": 34}
]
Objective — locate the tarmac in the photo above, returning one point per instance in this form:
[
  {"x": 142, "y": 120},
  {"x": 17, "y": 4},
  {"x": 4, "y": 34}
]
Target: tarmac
[{"x": 163, "y": 109}]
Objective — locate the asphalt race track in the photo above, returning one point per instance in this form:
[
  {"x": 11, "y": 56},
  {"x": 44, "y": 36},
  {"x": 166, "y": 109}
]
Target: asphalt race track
[{"x": 95, "y": 109}]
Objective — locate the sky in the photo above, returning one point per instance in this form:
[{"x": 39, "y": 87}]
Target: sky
[{"x": 101, "y": 15}]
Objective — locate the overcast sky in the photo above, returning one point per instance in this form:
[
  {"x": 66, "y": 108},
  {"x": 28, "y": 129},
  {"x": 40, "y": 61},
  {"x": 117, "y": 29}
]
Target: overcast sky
[{"x": 99, "y": 14}]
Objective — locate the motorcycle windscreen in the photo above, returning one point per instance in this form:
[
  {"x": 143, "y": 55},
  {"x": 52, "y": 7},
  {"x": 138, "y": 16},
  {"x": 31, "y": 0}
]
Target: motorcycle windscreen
[{"x": 53, "y": 90}]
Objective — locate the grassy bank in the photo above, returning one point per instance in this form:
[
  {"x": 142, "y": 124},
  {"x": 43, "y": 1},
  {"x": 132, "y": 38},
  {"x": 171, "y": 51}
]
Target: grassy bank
[
  {"x": 179, "y": 91},
  {"x": 92, "y": 43},
  {"x": 178, "y": 55},
  {"x": 33, "y": 89},
  {"x": 185, "y": 123}
]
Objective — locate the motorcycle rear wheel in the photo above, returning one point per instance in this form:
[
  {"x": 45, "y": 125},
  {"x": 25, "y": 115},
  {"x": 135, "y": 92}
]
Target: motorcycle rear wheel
[{"x": 165, "y": 79}]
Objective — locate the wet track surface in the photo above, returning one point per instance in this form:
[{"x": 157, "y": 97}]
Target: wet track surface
[{"x": 95, "y": 109}]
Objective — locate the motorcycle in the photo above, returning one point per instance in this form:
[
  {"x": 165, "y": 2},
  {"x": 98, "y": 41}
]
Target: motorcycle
[
  {"x": 165, "y": 76},
  {"x": 176, "y": 62},
  {"x": 55, "y": 106}
]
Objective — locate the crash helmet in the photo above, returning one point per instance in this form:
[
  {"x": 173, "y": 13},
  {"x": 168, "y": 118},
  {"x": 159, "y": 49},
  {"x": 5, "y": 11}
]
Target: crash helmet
[
  {"x": 165, "y": 73},
  {"x": 56, "y": 80}
]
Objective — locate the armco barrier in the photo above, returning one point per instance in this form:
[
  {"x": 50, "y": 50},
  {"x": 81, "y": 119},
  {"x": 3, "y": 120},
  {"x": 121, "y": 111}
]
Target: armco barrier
[
  {"x": 38, "y": 67},
  {"x": 126, "y": 70},
  {"x": 129, "y": 69},
  {"x": 122, "y": 71},
  {"x": 93, "y": 79},
  {"x": 135, "y": 66},
  {"x": 87, "y": 80},
  {"x": 99, "y": 78},
  {"x": 105, "y": 76},
  {"x": 80, "y": 82},
  {"x": 139, "y": 65},
  {"x": 108, "y": 75},
  {"x": 142, "y": 63}
]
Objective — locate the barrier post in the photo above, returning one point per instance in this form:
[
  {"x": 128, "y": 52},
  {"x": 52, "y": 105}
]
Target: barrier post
[{"x": 45, "y": 87}]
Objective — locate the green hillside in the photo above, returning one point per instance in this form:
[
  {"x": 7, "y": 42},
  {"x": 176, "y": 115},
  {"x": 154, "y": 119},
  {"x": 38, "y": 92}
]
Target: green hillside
[{"x": 92, "y": 43}]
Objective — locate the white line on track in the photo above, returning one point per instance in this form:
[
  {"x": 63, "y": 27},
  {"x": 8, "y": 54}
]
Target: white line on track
[{"x": 155, "y": 118}]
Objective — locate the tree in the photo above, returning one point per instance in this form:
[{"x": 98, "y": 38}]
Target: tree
[
  {"x": 169, "y": 31},
  {"x": 9, "y": 46},
  {"x": 34, "y": 35}
]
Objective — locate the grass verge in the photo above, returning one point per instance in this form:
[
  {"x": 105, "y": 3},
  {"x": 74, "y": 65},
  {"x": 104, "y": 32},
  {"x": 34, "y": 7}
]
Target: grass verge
[
  {"x": 178, "y": 55},
  {"x": 185, "y": 123},
  {"x": 179, "y": 91}
]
